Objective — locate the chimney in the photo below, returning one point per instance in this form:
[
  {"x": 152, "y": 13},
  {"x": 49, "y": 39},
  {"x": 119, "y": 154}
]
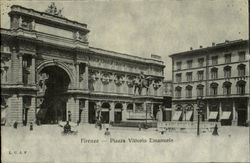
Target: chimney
[
  {"x": 213, "y": 44},
  {"x": 200, "y": 46},
  {"x": 191, "y": 48}
]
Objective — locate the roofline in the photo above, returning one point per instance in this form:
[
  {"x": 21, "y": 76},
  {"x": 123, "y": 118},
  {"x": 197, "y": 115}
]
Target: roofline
[
  {"x": 141, "y": 59},
  {"x": 8, "y": 32},
  {"x": 210, "y": 48},
  {"x": 83, "y": 25}
]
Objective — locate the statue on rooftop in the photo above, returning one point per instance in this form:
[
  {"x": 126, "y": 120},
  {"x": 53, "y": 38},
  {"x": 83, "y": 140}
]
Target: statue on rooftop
[{"x": 52, "y": 9}]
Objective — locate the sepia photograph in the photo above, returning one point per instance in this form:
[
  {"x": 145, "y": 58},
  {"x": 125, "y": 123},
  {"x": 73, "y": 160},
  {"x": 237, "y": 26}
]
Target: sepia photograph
[{"x": 124, "y": 81}]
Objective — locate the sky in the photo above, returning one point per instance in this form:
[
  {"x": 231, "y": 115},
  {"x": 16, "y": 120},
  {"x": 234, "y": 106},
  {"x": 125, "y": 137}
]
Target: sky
[{"x": 145, "y": 27}]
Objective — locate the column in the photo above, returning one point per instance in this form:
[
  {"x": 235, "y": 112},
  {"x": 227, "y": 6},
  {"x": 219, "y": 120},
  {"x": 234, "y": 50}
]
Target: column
[
  {"x": 86, "y": 77},
  {"x": 195, "y": 114},
  {"x": 133, "y": 106},
  {"x": 207, "y": 112},
  {"x": 73, "y": 107},
  {"x": 220, "y": 111},
  {"x": 112, "y": 112},
  {"x": 248, "y": 113},
  {"x": 31, "y": 111},
  {"x": 85, "y": 112},
  {"x": 234, "y": 121},
  {"x": 33, "y": 71},
  {"x": 16, "y": 109},
  {"x": 77, "y": 75},
  {"x": 124, "y": 111},
  {"x": 20, "y": 71}
]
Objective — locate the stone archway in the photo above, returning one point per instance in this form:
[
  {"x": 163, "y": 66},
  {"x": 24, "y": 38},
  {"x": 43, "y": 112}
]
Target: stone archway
[{"x": 53, "y": 83}]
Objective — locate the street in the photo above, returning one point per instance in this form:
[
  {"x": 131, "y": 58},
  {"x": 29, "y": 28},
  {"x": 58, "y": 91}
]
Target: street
[{"x": 46, "y": 143}]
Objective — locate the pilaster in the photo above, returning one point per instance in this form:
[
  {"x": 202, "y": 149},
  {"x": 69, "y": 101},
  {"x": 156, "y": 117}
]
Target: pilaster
[
  {"x": 33, "y": 72},
  {"x": 85, "y": 112},
  {"x": 112, "y": 112},
  {"x": 124, "y": 111},
  {"x": 220, "y": 111},
  {"x": 234, "y": 121},
  {"x": 207, "y": 116},
  {"x": 31, "y": 111}
]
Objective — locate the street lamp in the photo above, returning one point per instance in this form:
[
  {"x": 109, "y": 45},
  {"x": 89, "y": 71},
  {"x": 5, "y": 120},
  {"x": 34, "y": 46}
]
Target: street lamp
[{"x": 199, "y": 110}]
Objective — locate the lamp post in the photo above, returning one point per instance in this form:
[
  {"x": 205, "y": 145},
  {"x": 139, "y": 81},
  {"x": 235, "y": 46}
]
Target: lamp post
[{"x": 199, "y": 110}]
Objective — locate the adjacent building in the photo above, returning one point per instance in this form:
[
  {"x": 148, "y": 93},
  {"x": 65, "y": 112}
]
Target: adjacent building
[
  {"x": 49, "y": 73},
  {"x": 219, "y": 76}
]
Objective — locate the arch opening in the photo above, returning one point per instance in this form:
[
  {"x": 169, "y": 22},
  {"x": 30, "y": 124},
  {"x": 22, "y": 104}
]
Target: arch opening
[{"x": 53, "y": 84}]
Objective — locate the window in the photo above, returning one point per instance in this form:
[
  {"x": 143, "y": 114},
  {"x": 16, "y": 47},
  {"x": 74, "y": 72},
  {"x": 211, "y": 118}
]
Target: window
[
  {"x": 189, "y": 76},
  {"x": 189, "y": 63},
  {"x": 214, "y": 60},
  {"x": 200, "y": 90},
  {"x": 227, "y": 58},
  {"x": 214, "y": 73},
  {"x": 178, "y": 64},
  {"x": 241, "y": 70},
  {"x": 227, "y": 72},
  {"x": 227, "y": 88},
  {"x": 200, "y": 62},
  {"x": 213, "y": 89},
  {"x": 241, "y": 87},
  {"x": 178, "y": 77},
  {"x": 242, "y": 56},
  {"x": 189, "y": 91},
  {"x": 200, "y": 75},
  {"x": 178, "y": 92}
]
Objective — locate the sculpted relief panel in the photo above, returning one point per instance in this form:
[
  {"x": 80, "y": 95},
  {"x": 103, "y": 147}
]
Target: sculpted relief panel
[{"x": 103, "y": 81}]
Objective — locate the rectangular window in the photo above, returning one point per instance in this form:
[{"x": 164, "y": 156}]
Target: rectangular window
[
  {"x": 200, "y": 75},
  {"x": 178, "y": 77},
  {"x": 178, "y": 93},
  {"x": 201, "y": 62},
  {"x": 189, "y": 76},
  {"x": 242, "y": 56},
  {"x": 178, "y": 65},
  {"x": 228, "y": 58},
  {"x": 213, "y": 91},
  {"x": 227, "y": 73},
  {"x": 189, "y": 63},
  {"x": 188, "y": 93},
  {"x": 200, "y": 92},
  {"x": 214, "y": 74},
  {"x": 227, "y": 90},
  {"x": 214, "y": 60}
]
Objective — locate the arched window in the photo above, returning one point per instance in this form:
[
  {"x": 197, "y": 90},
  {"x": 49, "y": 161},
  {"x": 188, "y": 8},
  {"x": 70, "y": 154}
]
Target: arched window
[
  {"x": 189, "y": 91},
  {"x": 200, "y": 88},
  {"x": 118, "y": 106},
  {"x": 130, "y": 107},
  {"x": 227, "y": 71},
  {"x": 214, "y": 73},
  {"x": 227, "y": 88},
  {"x": 241, "y": 87},
  {"x": 178, "y": 92},
  {"x": 213, "y": 89},
  {"x": 241, "y": 70}
]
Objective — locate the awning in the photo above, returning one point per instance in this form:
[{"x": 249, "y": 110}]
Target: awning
[
  {"x": 213, "y": 115},
  {"x": 225, "y": 115},
  {"x": 177, "y": 116},
  {"x": 189, "y": 115}
]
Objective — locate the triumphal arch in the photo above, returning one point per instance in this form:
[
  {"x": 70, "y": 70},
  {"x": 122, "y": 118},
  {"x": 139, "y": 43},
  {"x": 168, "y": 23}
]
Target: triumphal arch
[{"x": 50, "y": 73}]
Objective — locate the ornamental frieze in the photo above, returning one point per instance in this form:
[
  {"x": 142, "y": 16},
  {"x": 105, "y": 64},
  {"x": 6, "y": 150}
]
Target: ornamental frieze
[
  {"x": 106, "y": 77},
  {"x": 119, "y": 79}
]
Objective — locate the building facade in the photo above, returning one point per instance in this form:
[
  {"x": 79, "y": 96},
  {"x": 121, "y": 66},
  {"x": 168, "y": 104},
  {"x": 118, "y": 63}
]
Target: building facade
[
  {"x": 216, "y": 75},
  {"x": 49, "y": 73}
]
